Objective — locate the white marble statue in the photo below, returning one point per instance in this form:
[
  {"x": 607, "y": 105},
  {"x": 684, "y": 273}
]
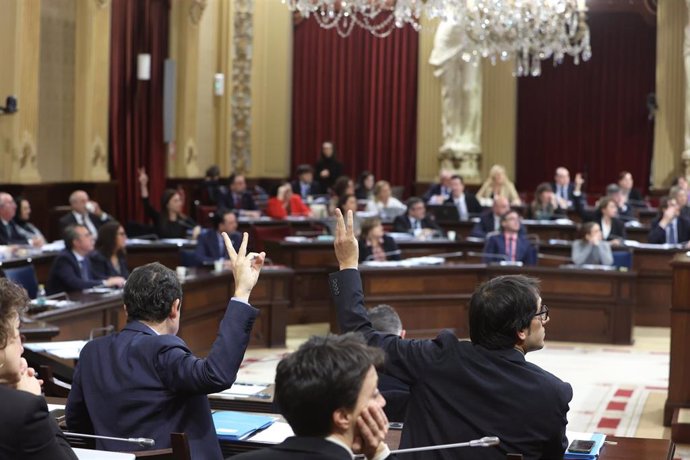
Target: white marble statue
[{"x": 461, "y": 93}]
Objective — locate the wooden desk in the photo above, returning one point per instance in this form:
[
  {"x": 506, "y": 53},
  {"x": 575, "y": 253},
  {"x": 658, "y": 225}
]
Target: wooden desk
[
  {"x": 205, "y": 298},
  {"x": 679, "y": 373}
]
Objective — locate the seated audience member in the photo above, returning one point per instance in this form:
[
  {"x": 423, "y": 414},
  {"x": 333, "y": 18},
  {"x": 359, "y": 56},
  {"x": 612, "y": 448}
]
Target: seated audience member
[
  {"x": 384, "y": 203},
  {"x": 465, "y": 201},
  {"x": 498, "y": 184},
  {"x": 669, "y": 227},
  {"x": 240, "y": 199},
  {"x": 28, "y": 430},
  {"x": 510, "y": 245},
  {"x": 342, "y": 186},
  {"x": 374, "y": 244},
  {"x": 327, "y": 168},
  {"x": 22, "y": 225},
  {"x": 210, "y": 245},
  {"x": 545, "y": 205},
  {"x": 284, "y": 203},
  {"x": 681, "y": 197},
  {"x": 170, "y": 222},
  {"x": 632, "y": 196},
  {"x": 110, "y": 257},
  {"x": 591, "y": 248},
  {"x": 365, "y": 186},
  {"x": 490, "y": 220},
  {"x": 682, "y": 182},
  {"x": 305, "y": 186},
  {"x": 71, "y": 270},
  {"x": 385, "y": 319},
  {"x": 327, "y": 392},
  {"x": 212, "y": 186},
  {"x": 439, "y": 192},
  {"x": 346, "y": 203},
  {"x": 462, "y": 390},
  {"x": 625, "y": 211},
  {"x": 563, "y": 188},
  {"x": 9, "y": 230},
  {"x": 606, "y": 215},
  {"x": 415, "y": 220},
  {"x": 144, "y": 380},
  {"x": 84, "y": 212}
]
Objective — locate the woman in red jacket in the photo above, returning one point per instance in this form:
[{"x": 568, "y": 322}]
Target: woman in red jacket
[{"x": 284, "y": 203}]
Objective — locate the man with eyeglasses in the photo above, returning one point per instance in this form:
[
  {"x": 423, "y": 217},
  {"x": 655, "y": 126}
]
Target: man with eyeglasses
[{"x": 463, "y": 390}]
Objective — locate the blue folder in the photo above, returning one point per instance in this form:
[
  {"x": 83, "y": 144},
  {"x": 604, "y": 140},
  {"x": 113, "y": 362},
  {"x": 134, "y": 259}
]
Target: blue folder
[
  {"x": 234, "y": 426},
  {"x": 598, "y": 439}
]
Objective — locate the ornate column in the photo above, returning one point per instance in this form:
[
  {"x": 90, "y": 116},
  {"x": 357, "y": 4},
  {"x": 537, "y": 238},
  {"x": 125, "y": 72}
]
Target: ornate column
[
  {"x": 686, "y": 59},
  {"x": 19, "y": 47},
  {"x": 91, "y": 90},
  {"x": 184, "y": 49},
  {"x": 241, "y": 102}
]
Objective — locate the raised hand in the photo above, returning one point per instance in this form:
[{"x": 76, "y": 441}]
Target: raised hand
[
  {"x": 346, "y": 245},
  {"x": 142, "y": 177},
  {"x": 245, "y": 267}
]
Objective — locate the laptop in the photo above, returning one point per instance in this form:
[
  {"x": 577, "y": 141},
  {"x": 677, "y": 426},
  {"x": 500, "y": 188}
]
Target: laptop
[{"x": 444, "y": 212}]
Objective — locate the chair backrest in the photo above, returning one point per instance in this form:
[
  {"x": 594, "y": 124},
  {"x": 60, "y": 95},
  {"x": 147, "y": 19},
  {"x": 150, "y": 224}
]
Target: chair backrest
[
  {"x": 24, "y": 276},
  {"x": 188, "y": 258},
  {"x": 262, "y": 233},
  {"x": 623, "y": 259}
]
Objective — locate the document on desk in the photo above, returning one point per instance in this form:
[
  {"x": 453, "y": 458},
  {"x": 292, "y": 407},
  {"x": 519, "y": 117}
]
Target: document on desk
[
  {"x": 241, "y": 390},
  {"x": 69, "y": 349},
  {"x": 236, "y": 426},
  {"x": 274, "y": 434},
  {"x": 91, "y": 454}
]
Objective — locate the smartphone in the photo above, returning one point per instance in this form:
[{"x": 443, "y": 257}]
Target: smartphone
[{"x": 581, "y": 446}]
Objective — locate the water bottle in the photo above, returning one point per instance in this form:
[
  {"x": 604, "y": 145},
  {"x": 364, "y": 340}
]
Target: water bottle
[{"x": 41, "y": 295}]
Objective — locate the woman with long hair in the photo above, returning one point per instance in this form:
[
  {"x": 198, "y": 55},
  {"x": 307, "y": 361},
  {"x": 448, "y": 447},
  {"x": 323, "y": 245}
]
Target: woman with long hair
[
  {"x": 25, "y": 228},
  {"x": 374, "y": 244},
  {"x": 110, "y": 257},
  {"x": 591, "y": 248},
  {"x": 498, "y": 184}
]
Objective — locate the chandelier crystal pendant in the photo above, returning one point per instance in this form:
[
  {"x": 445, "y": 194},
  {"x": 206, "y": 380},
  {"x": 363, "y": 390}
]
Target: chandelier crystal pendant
[{"x": 528, "y": 31}]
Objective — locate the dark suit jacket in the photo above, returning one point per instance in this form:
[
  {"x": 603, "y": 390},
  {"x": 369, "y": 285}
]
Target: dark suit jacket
[
  {"x": 207, "y": 247},
  {"x": 228, "y": 202},
  {"x": 389, "y": 247},
  {"x": 434, "y": 189},
  {"x": 136, "y": 383},
  {"x": 103, "y": 268},
  {"x": 299, "y": 448},
  {"x": 402, "y": 224},
  {"x": 461, "y": 391},
  {"x": 635, "y": 199},
  {"x": 657, "y": 235},
  {"x": 69, "y": 219},
  {"x": 397, "y": 396},
  {"x": 473, "y": 206},
  {"x": 617, "y": 225},
  {"x": 486, "y": 225},
  {"x": 314, "y": 189},
  {"x": 28, "y": 431},
  {"x": 524, "y": 251},
  {"x": 13, "y": 237},
  {"x": 65, "y": 274},
  {"x": 571, "y": 189}
]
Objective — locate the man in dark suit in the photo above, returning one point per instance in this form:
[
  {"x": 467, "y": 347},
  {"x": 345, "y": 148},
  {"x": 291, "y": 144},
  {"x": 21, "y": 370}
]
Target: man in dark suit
[
  {"x": 327, "y": 392},
  {"x": 71, "y": 269},
  {"x": 210, "y": 245},
  {"x": 8, "y": 228},
  {"x": 681, "y": 197},
  {"x": 566, "y": 192},
  {"x": 384, "y": 318},
  {"x": 144, "y": 380},
  {"x": 509, "y": 245},
  {"x": 490, "y": 220},
  {"x": 84, "y": 212},
  {"x": 305, "y": 186},
  {"x": 465, "y": 202},
  {"x": 669, "y": 227},
  {"x": 439, "y": 192},
  {"x": 461, "y": 390},
  {"x": 632, "y": 196},
  {"x": 606, "y": 215},
  {"x": 415, "y": 220},
  {"x": 239, "y": 199}
]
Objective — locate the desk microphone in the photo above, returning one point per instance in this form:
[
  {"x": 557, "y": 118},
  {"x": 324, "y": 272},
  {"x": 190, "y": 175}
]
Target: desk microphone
[
  {"x": 487, "y": 441},
  {"x": 143, "y": 442}
]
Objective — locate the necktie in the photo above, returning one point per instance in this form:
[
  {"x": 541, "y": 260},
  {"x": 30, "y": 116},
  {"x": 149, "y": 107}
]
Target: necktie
[
  {"x": 84, "y": 269},
  {"x": 238, "y": 201},
  {"x": 462, "y": 209},
  {"x": 671, "y": 237}
]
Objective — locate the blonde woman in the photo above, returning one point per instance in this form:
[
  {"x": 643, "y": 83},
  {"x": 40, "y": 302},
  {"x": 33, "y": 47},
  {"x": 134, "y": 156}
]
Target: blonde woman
[{"x": 498, "y": 184}]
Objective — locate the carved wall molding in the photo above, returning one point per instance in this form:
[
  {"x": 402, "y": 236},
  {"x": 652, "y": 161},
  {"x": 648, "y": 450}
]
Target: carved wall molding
[
  {"x": 191, "y": 160},
  {"x": 196, "y": 10},
  {"x": 241, "y": 102}
]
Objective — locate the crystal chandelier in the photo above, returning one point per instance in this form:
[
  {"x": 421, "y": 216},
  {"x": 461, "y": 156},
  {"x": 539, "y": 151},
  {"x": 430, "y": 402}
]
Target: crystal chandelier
[{"x": 528, "y": 31}]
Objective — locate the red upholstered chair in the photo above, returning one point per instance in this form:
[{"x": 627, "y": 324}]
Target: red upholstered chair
[{"x": 262, "y": 233}]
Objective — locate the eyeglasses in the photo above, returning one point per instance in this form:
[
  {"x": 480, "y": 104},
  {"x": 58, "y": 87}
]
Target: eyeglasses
[{"x": 543, "y": 314}]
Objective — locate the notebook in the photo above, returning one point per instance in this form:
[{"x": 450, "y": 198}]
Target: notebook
[{"x": 234, "y": 426}]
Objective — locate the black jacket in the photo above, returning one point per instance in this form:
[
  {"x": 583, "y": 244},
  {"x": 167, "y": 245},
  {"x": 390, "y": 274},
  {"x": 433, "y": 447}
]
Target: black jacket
[
  {"x": 103, "y": 268},
  {"x": 390, "y": 247},
  {"x": 66, "y": 276},
  {"x": 473, "y": 206},
  {"x": 657, "y": 235},
  {"x": 299, "y": 448},
  {"x": 402, "y": 224}
]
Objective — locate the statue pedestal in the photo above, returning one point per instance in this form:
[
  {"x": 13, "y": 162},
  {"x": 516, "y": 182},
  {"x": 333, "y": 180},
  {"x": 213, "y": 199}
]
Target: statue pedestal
[{"x": 463, "y": 163}]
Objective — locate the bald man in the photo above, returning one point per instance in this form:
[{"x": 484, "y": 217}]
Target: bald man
[
  {"x": 8, "y": 229},
  {"x": 84, "y": 212}
]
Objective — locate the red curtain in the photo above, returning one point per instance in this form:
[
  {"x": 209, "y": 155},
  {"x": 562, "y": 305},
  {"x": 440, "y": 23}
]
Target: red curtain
[
  {"x": 361, "y": 93},
  {"x": 592, "y": 117},
  {"x": 136, "y": 107}
]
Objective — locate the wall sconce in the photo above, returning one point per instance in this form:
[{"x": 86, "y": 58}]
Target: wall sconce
[{"x": 219, "y": 84}]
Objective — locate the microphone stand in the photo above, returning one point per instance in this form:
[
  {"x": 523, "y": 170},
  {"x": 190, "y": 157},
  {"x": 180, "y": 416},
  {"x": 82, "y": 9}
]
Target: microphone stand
[
  {"x": 487, "y": 441},
  {"x": 143, "y": 442}
]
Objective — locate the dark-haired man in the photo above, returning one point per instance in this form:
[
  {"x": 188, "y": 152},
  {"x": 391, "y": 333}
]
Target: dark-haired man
[
  {"x": 462, "y": 390},
  {"x": 210, "y": 245},
  {"x": 327, "y": 392},
  {"x": 510, "y": 244},
  {"x": 415, "y": 220},
  {"x": 239, "y": 199},
  {"x": 144, "y": 380},
  {"x": 305, "y": 185}
]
